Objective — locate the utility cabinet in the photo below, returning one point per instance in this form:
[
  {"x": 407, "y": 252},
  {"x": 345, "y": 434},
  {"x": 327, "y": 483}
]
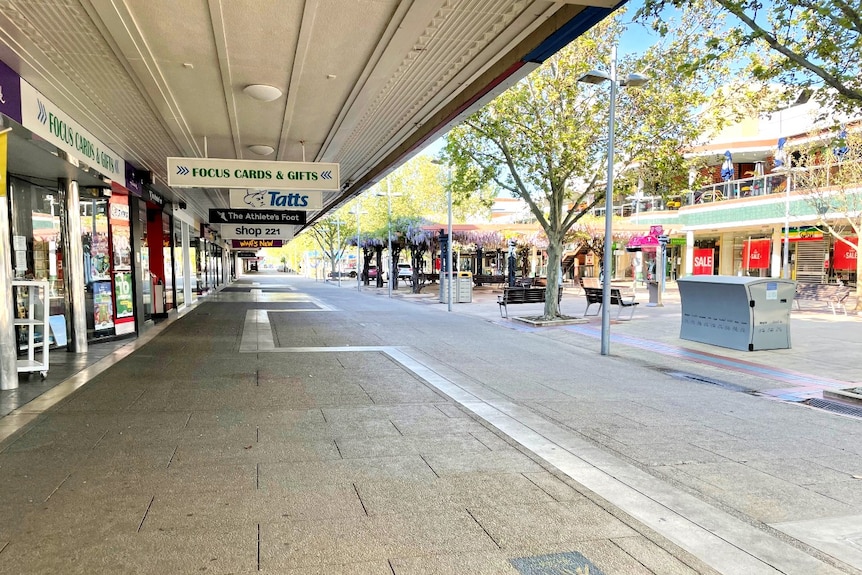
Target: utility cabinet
[
  {"x": 31, "y": 325},
  {"x": 742, "y": 313}
]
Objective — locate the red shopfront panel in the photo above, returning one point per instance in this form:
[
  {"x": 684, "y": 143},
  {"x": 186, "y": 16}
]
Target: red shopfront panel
[
  {"x": 755, "y": 254},
  {"x": 703, "y": 261},
  {"x": 844, "y": 256}
]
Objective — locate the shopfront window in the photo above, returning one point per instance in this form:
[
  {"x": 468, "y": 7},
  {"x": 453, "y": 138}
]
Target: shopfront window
[
  {"x": 197, "y": 256},
  {"x": 179, "y": 278},
  {"x": 37, "y": 242},
  {"x": 97, "y": 267}
]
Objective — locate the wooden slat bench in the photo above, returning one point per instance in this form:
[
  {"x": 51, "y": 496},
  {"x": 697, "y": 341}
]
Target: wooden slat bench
[
  {"x": 594, "y": 296},
  {"x": 834, "y": 295},
  {"x": 518, "y": 295},
  {"x": 480, "y": 279}
]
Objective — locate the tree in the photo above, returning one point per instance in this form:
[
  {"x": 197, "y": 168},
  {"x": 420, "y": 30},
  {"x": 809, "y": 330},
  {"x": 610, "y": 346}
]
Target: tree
[
  {"x": 832, "y": 184},
  {"x": 330, "y": 236},
  {"x": 799, "y": 43},
  {"x": 419, "y": 242},
  {"x": 545, "y": 139}
]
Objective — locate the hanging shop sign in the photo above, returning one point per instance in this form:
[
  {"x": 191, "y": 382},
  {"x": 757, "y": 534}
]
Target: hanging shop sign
[
  {"x": 275, "y": 200},
  {"x": 154, "y": 197},
  {"x": 10, "y": 93},
  {"x": 224, "y": 173},
  {"x": 255, "y": 244},
  {"x": 43, "y": 118},
  {"x": 755, "y": 254},
  {"x": 231, "y": 216},
  {"x": 703, "y": 261},
  {"x": 844, "y": 257},
  {"x": 254, "y": 232},
  {"x": 246, "y": 254}
]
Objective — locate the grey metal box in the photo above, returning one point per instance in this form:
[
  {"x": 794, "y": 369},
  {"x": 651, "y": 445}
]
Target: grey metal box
[{"x": 737, "y": 312}]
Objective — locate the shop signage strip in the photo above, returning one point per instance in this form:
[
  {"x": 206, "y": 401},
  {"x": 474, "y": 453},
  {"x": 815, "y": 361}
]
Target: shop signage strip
[
  {"x": 275, "y": 200},
  {"x": 10, "y": 93},
  {"x": 46, "y": 120},
  {"x": 253, "y": 232},
  {"x": 231, "y": 216},
  {"x": 225, "y": 173},
  {"x": 804, "y": 234},
  {"x": 255, "y": 244}
]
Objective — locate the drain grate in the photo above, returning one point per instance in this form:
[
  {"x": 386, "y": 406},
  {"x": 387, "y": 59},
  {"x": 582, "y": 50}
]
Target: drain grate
[
  {"x": 834, "y": 406},
  {"x": 708, "y": 380}
]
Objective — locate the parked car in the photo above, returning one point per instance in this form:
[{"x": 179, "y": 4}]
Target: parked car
[
  {"x": 372, "y": 272},
  {"x": 405, "y": 272}
]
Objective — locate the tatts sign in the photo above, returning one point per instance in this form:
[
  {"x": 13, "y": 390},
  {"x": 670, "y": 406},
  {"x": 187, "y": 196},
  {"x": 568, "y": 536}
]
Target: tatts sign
[{"x": 703, "y": 261}]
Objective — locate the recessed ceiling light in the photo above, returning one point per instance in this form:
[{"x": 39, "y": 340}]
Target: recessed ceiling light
[
  {"x": 262, "y": 92},
  {"x": 261, "y": 149}
]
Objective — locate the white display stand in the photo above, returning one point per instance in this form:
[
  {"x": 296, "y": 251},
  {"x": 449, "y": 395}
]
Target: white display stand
[{"x": 35, "y": 316}]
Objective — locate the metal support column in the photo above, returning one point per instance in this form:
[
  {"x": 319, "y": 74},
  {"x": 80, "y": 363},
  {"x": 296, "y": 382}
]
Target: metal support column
[
  {"x": 8, "y": 347},
  {"x": 73, "y": 268}
]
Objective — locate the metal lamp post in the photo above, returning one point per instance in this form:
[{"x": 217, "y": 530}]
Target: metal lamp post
[
  {"x": 389, "y": 195},
  {"x": 338, "y": 252},
  {"x": 788, "y": 171},
  {"x": 449, "y": 249},
  {"x": 358, "y": 211},
  {"x": 598, "y": 77}
]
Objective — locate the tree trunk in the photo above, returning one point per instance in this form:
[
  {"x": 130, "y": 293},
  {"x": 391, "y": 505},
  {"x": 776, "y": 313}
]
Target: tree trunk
[
  {"x": 858, "y": 291},
  {"x": 378, "y": 250},
  {"x": 552, "y": 307},
  {"x": 366, "y": 260},
  {"x": 393, "y": 267},
  {"x": 416, "y": 262}
]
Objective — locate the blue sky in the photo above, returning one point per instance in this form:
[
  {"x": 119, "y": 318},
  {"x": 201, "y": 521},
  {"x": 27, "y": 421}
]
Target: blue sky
[{"x": 635, "y": 40}]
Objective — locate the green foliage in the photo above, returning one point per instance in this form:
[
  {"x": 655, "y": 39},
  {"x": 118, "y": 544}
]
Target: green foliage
[
  {"x": 798, "y": 43},
  {"x": 545, "y": 139}
]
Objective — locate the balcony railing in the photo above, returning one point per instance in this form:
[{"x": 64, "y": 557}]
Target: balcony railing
[{"x": 755, "y": 186}]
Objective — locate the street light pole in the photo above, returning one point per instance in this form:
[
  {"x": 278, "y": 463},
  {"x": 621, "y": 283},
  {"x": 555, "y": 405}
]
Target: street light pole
[
  {"x": 788, "y": 171},
  {"x": 609, "y": 206},
  {"x": 389, "y": 195},
  {"x": 338, "y": 250},
  {"x": 358, "y": 209},
  {"x": 389, "y": 236},
  {"x": 597, "y": 77},
  {"x": 786, "y": 272},
  {"x": 449, "y": 251}
]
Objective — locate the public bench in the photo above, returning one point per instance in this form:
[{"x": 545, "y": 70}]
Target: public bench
[
  {"x": 519, "y": 295},
  {"x": 480, "y": 279},
  {"x": 834, "y": 295},
  {"x": 594, "y": 296}
]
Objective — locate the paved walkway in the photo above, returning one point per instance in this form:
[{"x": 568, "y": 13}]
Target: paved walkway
[{"x": 289, "y": 426}]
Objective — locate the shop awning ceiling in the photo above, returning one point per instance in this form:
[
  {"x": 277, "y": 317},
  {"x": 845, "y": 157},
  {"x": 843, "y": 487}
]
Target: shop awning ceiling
[{"x": 364, "y": 83}]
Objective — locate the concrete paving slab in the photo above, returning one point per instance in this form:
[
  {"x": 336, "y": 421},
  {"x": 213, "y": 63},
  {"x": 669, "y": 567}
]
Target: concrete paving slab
[
  {"x": 428, "y": 445},
  {"x": 278, "y": 476},
  {"x": 558, "y": 399},
  {"x": 840, "y": 537},
  {"x": 493, "y": 563},
  {"x": 452, "y": 493},
  {"x": 658, "y": 560},
  {"x": 548, "y": 527},
  {"x": 214, "y": 552}
]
